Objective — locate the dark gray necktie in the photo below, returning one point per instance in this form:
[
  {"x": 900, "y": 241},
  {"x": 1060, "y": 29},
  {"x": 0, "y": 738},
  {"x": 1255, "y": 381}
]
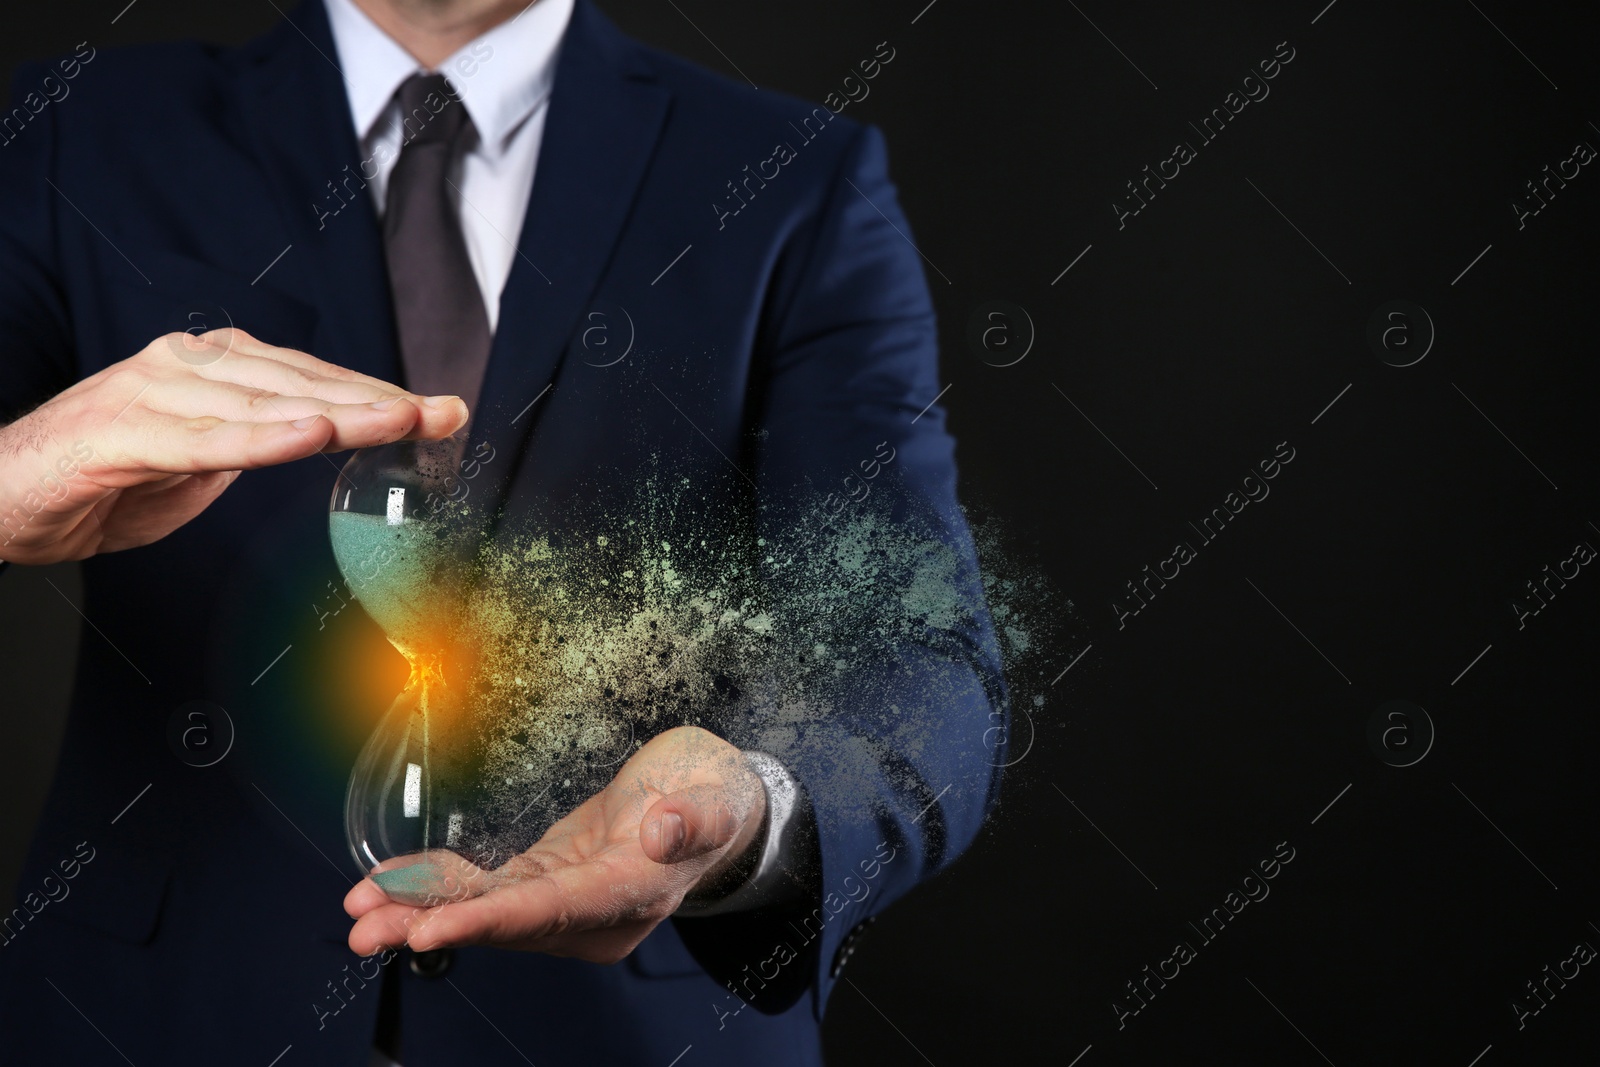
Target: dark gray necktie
[{"x": 444, "y": 330}]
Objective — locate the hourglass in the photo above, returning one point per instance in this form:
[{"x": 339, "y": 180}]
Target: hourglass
[
  {"x": 476, "y": 758},
  {"x": 404, "y": 539}
]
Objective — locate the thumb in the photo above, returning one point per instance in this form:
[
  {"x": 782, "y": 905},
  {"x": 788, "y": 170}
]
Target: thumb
[{"x": 687, "y": 824}]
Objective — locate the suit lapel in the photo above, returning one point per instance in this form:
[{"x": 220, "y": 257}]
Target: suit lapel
[
  {"x": 294, "y": 106},
  {"x": 604, "y": 121}
]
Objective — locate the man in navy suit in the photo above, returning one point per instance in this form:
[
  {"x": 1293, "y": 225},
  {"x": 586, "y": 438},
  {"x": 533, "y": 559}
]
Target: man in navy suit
[{"x": 455, "y": 194}]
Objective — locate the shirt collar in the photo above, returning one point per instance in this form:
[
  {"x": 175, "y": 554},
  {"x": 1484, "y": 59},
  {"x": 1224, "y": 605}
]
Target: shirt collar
[{"x": 501, "y": 77}]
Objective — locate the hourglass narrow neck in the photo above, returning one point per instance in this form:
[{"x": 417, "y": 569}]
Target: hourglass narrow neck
[{"x": 427, "y": 668}]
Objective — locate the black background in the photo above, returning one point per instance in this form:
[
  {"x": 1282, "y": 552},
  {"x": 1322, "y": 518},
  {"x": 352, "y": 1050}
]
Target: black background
[{"x": 1227, "y": 715}]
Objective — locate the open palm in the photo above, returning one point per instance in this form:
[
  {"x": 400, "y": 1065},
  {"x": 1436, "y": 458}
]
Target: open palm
[{"x": 680, "y": 813}]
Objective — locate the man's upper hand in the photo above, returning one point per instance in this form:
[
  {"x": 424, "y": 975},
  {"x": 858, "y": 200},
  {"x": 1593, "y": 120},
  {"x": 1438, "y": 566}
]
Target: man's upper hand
[
  {"x": 682, "y": 813},
  {"x": 154, "y": 439}
]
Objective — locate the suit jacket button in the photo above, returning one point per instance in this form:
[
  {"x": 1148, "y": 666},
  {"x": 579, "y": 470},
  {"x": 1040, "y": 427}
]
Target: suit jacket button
[
  {"x": 433, "y": 963},
  {"x": 847, "y": 947}
]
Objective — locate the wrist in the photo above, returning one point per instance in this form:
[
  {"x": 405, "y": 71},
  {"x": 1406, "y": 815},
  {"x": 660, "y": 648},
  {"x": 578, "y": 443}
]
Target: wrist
[
  {"x": 738, "y": 863},
  {"x": 775, "y": 867},
  {"x": 36, "y": 470}
]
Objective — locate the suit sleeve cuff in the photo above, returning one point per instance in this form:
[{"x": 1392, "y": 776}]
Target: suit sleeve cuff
[{"x": 776, "y": 877}]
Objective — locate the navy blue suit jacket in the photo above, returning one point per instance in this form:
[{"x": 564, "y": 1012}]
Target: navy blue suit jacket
[{"x": 781, "y": 329}]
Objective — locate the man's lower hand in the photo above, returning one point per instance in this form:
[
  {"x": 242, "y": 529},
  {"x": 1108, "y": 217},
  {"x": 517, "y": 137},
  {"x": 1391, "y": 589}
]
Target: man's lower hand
[{"x": 682, "y": 812}]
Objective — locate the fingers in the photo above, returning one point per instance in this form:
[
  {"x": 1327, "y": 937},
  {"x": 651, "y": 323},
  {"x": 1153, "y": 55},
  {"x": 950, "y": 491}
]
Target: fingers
[
  {"x": 513, "y": 915},
  {"x": 164, "y": 445},
  {"x": 597, "y": 909},
  {"x": 253, "y": 431},
  {"x": 271, "y": 376},
  {"x": 560, "y": 911},
  {"x": 713, "y": 801},
  {"x": 237, "y": 340},
  {"x": 387, "y": 926},
  {"x": 364, "y": 897},
  {"x": 233, "y": 356},
  {"x": 424, "y": 878},
  {"x": 391, "y": 904},
  {"x": 423, "y": 930},
  {"x": 360, "y": 413},
  {"x": 689, "y": 823},
  {"x": 192, "y": 446},
  {"x": 194, "y": 398}
]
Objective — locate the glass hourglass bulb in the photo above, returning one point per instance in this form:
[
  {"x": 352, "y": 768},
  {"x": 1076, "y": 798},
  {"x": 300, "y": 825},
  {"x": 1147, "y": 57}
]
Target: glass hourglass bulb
[
  {"x": 403, "y": 539},
  {"x": 452, "y": 783}
]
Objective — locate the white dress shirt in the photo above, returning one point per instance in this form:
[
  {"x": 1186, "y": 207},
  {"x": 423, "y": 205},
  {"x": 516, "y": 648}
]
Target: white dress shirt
[{"x": 504, "y": 79}]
